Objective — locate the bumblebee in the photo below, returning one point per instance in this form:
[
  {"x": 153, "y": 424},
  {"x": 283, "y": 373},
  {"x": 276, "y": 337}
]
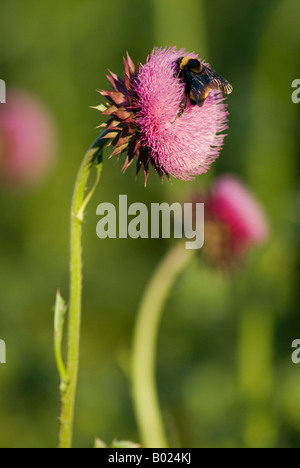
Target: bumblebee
[{"x": 198, "y": 79}]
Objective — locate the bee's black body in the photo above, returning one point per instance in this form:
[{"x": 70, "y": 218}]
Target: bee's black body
[{"x": 198, "y": 79}]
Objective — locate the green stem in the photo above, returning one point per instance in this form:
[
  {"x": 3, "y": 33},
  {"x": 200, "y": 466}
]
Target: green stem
[
  {"x": 145, "y": 397},
  {"x": 93, "y": 158}
]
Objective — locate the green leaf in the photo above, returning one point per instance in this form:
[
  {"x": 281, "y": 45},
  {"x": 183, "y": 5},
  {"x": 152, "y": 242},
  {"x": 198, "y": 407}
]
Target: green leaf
[
  {"x": 99, "y": 444},
  {"x": 59, "y": 319},
  {"x": 124, "y": 444},
  {"x": 116, "y": 444}
]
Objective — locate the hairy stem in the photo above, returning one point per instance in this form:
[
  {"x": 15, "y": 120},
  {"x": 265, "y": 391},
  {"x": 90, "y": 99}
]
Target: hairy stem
[{"x": 93, "y": 158}]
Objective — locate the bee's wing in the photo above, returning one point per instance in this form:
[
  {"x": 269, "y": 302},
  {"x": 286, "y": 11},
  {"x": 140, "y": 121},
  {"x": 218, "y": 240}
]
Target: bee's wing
[{"x": 217, "y": 81}]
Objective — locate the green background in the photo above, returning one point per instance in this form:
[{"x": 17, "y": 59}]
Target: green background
[{"x": 225, "y": 374}]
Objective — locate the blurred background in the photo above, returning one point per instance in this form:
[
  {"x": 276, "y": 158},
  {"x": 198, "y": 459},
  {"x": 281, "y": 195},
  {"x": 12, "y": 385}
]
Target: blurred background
[{"x": 225, "y": 375}]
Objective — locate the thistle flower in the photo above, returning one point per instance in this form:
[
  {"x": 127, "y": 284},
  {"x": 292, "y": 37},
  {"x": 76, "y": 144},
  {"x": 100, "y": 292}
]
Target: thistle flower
[
  {"x": 27, "y": 140},
  {"x": 234, "y": 221},
  {"x": 143, "y": 109}
]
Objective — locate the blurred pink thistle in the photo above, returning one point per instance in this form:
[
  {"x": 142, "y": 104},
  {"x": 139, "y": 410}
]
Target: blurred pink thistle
[
  {"x": 234, "y": 221},
  {"x": 27, "y": 140}
]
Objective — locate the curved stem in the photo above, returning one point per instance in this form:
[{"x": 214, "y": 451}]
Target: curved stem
[
  {"x": 93, "y": 158},
  {"x": 145, "y": 397}
]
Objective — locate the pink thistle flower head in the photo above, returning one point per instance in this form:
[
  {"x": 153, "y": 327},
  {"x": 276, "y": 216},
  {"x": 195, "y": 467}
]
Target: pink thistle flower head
[
  {"x": 144, "y": 121},
  {"x": 235, "y": 206},
  {"x": 27, "y": 140},
  {"x": 234, "y": 221}
]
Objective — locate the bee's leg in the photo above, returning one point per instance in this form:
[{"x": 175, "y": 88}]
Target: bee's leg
[
  {"x": 177, "y": 74},
  {"x": 182, "y": 105}
]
